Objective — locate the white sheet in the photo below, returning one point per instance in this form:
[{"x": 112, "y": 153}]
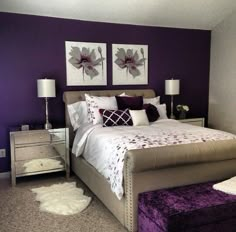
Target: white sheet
[
  {"x": 105, "y": 147},
  {"x": 227, "y": 186}
]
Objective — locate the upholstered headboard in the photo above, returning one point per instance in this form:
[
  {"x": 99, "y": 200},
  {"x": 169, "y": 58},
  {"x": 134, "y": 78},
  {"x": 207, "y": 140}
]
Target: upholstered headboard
[{"x": 70, "y": 97}]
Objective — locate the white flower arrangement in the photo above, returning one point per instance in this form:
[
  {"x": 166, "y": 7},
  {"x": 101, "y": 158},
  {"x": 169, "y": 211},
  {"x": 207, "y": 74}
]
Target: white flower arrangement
[{"x": 184, "y": 108}]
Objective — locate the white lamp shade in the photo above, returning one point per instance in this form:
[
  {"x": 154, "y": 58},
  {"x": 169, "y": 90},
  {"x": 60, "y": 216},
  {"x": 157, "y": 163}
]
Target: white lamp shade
[
  {"x": 46, "y": 88},
  {"x": 172, "y": 87}
]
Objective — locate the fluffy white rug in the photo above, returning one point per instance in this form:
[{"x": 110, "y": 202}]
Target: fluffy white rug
[
  {"x": 63, "y": 199},
  {"x": 227, "y": 186}
]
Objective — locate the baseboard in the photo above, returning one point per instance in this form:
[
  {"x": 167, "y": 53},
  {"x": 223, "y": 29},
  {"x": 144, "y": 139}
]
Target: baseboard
[{"x": 5, "y": 175}]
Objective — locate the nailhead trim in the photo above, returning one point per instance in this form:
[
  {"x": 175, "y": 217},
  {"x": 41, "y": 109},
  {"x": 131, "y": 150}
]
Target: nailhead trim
[{"x": 129, "y": 197}]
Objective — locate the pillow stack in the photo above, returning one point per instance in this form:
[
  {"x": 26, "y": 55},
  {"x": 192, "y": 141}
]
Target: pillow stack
[{"x": 119, "y": 110}]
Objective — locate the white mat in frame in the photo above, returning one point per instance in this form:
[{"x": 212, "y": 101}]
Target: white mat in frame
[{"x": 129, "y": 64}]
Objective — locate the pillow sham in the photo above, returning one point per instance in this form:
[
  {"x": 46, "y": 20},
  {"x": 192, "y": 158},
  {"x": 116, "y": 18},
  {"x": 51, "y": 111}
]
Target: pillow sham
[
  {"x": 139, "y": 117},
  {"x": 162, "y": 111},
  {"x": 154, "y": 101},
  {"x": 133, "y": 103},
  {"x": 78, "y": 114},
  {"x": 151, "y": 111},
  {"x": 116, "y": 117},
  {"x": 95, "y": 103}
]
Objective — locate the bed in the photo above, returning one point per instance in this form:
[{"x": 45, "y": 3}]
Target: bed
[{"x": 142, "y": 173}]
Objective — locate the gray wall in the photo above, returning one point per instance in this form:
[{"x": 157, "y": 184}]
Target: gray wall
[{"x": 222, "y": 92}]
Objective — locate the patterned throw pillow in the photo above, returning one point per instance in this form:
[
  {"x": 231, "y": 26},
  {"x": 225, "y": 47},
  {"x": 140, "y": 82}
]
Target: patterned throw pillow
[
  {"x": 116, "y": 117},
  {"x": 95, "y": 103}
]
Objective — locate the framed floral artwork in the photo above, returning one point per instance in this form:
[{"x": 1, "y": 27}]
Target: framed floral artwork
[
  {"x": 130, "y": 64},
  {"x": 86, "y": 63}
]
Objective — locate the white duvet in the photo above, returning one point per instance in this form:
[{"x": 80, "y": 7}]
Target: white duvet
[{"x": 105, "y": 147}]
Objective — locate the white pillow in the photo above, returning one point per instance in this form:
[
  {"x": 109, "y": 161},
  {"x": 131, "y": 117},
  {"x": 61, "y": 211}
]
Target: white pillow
[
  {"x": 78, "y": 114},
  {"x": 162, "y": 111},
  {"x": 154, "y": 101},
  {"x": 95, "y": 103},
  {"x": 139, "y": 117}
]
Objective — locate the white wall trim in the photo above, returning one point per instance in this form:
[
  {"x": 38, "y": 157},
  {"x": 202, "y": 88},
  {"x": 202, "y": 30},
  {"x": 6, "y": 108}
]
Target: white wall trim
[
  {"x": 5, "y": 175},
  {"x": 221, "y": 114}
]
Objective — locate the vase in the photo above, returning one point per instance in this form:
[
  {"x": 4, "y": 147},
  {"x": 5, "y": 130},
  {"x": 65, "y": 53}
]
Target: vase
[{"x": 182, "y": 114}]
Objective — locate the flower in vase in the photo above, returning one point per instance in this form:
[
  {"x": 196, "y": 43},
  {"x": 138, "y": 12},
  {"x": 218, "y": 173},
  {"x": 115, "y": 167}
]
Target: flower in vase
[{"x": 184, "y": 108}]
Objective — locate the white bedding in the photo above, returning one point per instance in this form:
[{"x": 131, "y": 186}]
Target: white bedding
[
  {"x": 227, "y": 186},
  {"x": 105, "y": 147}
]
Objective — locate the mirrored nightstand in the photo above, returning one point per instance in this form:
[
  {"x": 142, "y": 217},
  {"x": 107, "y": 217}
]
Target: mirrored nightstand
[{"x": 39, "y": 151}]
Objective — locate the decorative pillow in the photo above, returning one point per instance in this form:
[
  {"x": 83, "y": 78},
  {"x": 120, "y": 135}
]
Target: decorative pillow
[
  {"x": 162, "y": 111},
  {"x": 152, "y": 112},
  {"x": 139, "y": 117},
  {"x": 133, "y": 103},
  {"x": 95, "y": 103},
  {"x": 116, "y": 117},
  {"x": 154, "y": 101},
  {"x": 78, "y": 114}
]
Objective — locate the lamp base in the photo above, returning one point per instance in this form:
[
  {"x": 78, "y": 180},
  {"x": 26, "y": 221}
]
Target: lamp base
[
  {"x": 172, "y": 116},
  {"x": 48, "y": 126}
]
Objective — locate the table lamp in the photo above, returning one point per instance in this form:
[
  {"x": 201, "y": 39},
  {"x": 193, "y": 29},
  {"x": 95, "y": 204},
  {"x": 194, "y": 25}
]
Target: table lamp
[
  {"x": 46, "y": 89},
  {"x": 172, "y": 88}
]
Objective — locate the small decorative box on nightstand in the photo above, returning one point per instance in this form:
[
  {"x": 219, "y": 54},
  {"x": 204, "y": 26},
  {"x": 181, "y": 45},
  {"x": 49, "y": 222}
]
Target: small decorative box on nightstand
[
  {"x": 39, "y": 151},
  {"x": 194, "y": 121}
]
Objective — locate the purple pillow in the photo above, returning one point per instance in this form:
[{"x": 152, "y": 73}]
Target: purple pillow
[
  {"x": 152, "y": 112},
  {"x": 116, "y": 117},
  {"x": 132, "y": 103}
]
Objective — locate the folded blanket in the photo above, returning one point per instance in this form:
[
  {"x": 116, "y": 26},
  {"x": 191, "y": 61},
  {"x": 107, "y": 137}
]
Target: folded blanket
[{"x": 227, "y": 186}]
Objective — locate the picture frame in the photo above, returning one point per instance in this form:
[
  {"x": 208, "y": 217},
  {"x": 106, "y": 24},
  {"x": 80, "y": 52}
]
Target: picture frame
[
  {"x": 129, "y": 64},
  {"x": 86, "y": 63}
]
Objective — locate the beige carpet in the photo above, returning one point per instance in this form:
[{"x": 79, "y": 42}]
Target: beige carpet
[{"x": 19, "y": 212}]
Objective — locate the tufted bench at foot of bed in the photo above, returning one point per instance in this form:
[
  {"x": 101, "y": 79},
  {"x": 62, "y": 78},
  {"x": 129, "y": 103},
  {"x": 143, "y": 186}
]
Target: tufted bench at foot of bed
[{"x": 193, "y": 208}]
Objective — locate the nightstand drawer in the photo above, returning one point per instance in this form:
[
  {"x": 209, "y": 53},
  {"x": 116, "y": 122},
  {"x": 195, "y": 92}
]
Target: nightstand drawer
[
  {"x": 57, "y": 135},
  {"x": 32, "y": 137},
  {"x": 34, "y": 152},
  {"x": 194, "y": 121},
  {"x": 34, "y": 166}
]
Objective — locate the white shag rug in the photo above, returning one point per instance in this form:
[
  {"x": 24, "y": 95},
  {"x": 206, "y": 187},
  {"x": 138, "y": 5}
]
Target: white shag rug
[
  {"x": 227, "y": 186},
  {"x": 62, "y": 199}
]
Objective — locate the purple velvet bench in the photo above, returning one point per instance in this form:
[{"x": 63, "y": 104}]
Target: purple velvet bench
[{"x": 193, "y": 208}]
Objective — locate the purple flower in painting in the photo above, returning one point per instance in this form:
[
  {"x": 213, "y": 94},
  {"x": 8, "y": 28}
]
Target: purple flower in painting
[
  {"x": 129, "y": 60},
  {"x": 100, "y": 52},
  {"x": 86, "y": 60}
]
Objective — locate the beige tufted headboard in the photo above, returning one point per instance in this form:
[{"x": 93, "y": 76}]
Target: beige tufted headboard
[{"x": 70, "y": 97}]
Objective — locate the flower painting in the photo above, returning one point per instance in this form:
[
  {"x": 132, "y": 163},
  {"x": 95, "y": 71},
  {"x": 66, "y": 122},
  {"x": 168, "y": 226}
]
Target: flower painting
[
  {"x": 130, "y": 64},
  {"x": 86, "y": 63}
]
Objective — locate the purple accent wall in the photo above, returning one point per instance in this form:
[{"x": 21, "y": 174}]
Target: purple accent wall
[{"x": 32, "y": 47}]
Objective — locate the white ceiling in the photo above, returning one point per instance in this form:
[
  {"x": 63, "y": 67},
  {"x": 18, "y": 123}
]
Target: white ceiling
[{"x": 198, "y": 14}]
